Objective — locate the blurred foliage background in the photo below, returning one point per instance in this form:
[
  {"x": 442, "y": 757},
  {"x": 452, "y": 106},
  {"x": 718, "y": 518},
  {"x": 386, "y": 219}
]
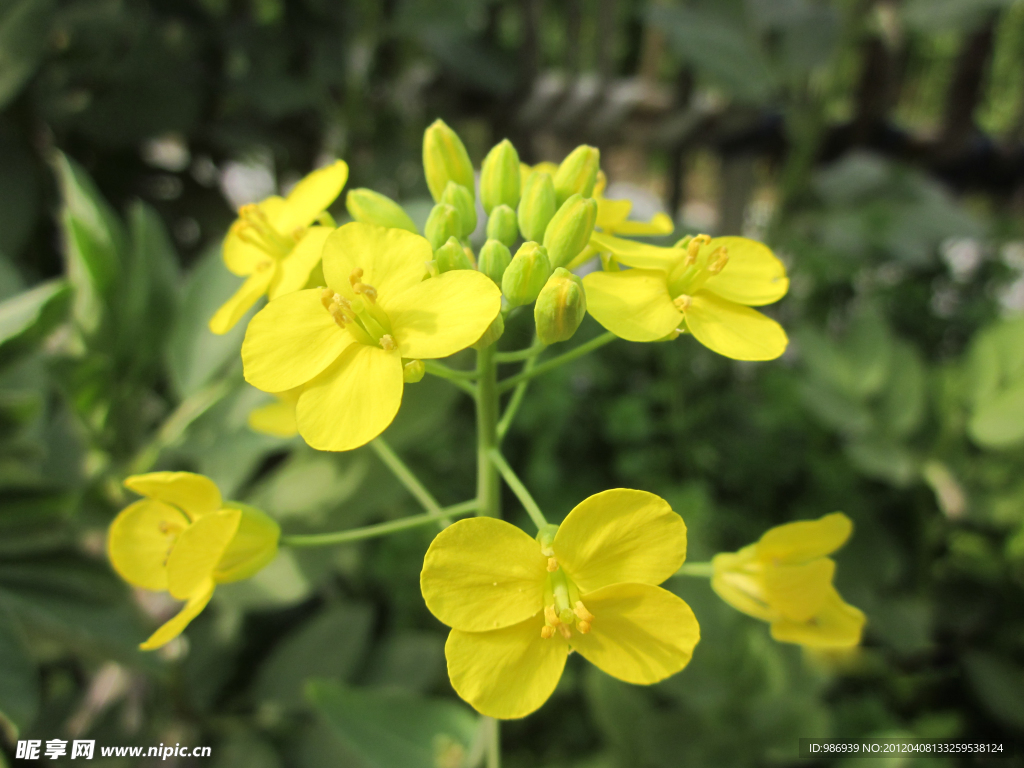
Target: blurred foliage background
[{"x": 876, "y": 145}]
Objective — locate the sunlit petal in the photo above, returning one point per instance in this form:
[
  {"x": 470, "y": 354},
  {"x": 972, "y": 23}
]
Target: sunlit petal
[
  {"x": 248, "y": 293},
  {"x": 197, "y": 551},
  {"x": 311, "y": 197},
  {"x": 196, "y": 495},
  {"x": 391, "y": 259},
  {"x": 752, "y": 276},
  {"x": 659, "y": 224},
  {"x": 734, "y": 330},
  {"x": 837, "y": 625},
  {"x": 294, "y": 270},
  {"x": 805, "y": 539},
  {"x": 174, "y": 627},
  {"x": 633, "y": 304},
  {"x": 140, "y": 539},
  {"x": 639, "y": 255}
]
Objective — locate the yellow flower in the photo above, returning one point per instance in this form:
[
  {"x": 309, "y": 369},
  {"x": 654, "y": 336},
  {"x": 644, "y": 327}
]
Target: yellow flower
[
  {"x": 786, "y": 579},
  {"x": 706, "y": 288},
  {"x": 277, "y": 418},
  {"x": 613, "y": 216},
  {"x": 273, "y": 243},
  {"x": 517, "y": 605},
  {"x": 183, "y": 538},
  {"x": 344, "y": 345}
]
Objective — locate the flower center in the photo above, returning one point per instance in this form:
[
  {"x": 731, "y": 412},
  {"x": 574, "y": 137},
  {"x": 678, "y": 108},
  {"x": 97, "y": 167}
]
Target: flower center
[
  {"x": 361, "y": 315},
  {"x": 563, "y": 609},
  {"x": 257, "y": 231},
  {"x": 172, "y": 531},
  {"x": 692, "y": 271}
]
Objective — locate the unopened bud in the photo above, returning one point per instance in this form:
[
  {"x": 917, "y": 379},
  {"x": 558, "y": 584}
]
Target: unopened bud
[
  {"x": 526, "y": 274},
  {"x": 494, "y": 260},
  {"x": 537, "y": 205},
  {"x": 499, "y": 177},
  {"x": 371, "y": 207},
  {"x": 570, "y": 229},
  {"x": 445, "y": 159},
  {"x": 444, "y": 222},
  {"x": 560, "y": 307},
  {"x": 492, "y": 334},
  {"x": 461, "y": 199},
  {"x": 577, "y": 173},
  {"x": 451, "y": 256},
  {"x": 413, "y": 371},
  {"x": 502, "y": 225},
  {"x": 253, "y": 546}
]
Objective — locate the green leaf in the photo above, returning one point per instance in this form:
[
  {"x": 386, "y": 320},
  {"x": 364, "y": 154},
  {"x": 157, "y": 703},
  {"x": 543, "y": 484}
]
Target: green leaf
[
  {"x": 30, "y": 316},
  {"x": 19, "y": 680},
  {"x": 24, "y": 26},
  {"x": 995, "y": 375},
  {"x": 884, "y": 460},
  {"x": 999, "y": 423},
  {"x": 392, "y": 730},
  {"x": 904, "y": 396},
  {"x": 1000, "y": 686},
  {"x": 412, "y": 661}
]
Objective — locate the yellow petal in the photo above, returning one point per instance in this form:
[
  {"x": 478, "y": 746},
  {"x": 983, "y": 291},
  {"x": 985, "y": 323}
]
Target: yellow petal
[
  {"x": 248, "y": 293},
  {"x": 633, "y": 304},
  {"x": 838, "y": 625},
  {"x": 353, "y": 401},
  {"x": 734, "y": 330},
  {"x": 195, "y": 495},
  {"x": 660, "y": 224},
  {"x": 640, "y": 634},
  {"x": 611, "y": 213},
  {"x": 391, "y": 259},
  {"x": 198, "y": 550},
  {"x": 737, "y": 585},
  {"x": 174, "y": 627},
  {"x": 797, "y": 592},
  {"x": 805, "y": 539},
  {"x": 442, "y": 315},
  {"x": 252, "y": 547},
  {"x": 620, "y": 535},
  {"x": 311, "y": 197},
  {"x": 291, "y": 341},
  {"x": 294, "y": 269},
  {"x": 483, "y": 573},
  {"x": 505, "y": 673},
  {"x": 752, "y": 276},
  {"x": 639, "y": 255},
  {"x": 139, "y": 539},
  {"x": 241, "y": 257},
  {"x": 276, "y": 418}
]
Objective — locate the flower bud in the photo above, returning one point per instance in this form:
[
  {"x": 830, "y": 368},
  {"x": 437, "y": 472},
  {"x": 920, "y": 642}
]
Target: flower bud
[
  {"x": 537, "y": 206},
  {"x": 413, "y": 371},
  {"x": 461, "y": 199},
  {"x": 502, "y": 225},
  {"x": 560, "y": 307},
  {"x": 499, "y": 177},
  {"x": 451, "y": 256},
  {"x": 445, "y": 159},
  {"x": 492, "y": 334},
  {"x": 371, "y": 207},
  {"x": 526, "y": 274},
  {"x": 494, "y": 260},
  {"x": 444, "y": 222},
  {"x": 254, "y": 545},
  {"x": 570, "y": 229},
  {"x": 577, "y": 173}
]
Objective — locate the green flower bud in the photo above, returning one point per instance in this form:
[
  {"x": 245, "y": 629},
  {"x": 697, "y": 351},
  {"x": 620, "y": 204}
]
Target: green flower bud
[
  {"x": 461, "y": 199},
  {"x": 570, "y": 229},
  {"x": 560, "y": 307},
  {"x": 494, "y": 260},
  {"x": 577, "y": 173},
  {"x": 492, "y": 334},
  {"x": 371, "y": 207},
  {"x": 451, "y": 256},
  {"x": 444, "y": 222},
  {"x": 445, "y": 159},
  {"x": 537, "y": 205},
  {"x": 526, "y": 274},
  {"x": 502, "y": 225},
  {"x": 253, "y": 546},
  {"x": 413, "y": 371},
  {"x": 499, "y": 177}
]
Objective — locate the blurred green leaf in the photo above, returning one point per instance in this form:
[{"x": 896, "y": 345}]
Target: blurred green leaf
[
  {"x": 412, "y": 661},
  {"x": 30, "y": 316},
  {"x": 24, "y": 26},
  {"x": 999, "y": 683},
  {"x": 995, "y": 372},
  {"x": 904, "y": 397},
  {"x": 19, "y": 683}
]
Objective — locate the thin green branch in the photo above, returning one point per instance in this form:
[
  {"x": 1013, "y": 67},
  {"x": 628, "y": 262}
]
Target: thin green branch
[
  {"x": 442, "y": 370},
  {"x": 572, "y": 354},
  {"x": 521, "y": 354},
  {"x": 513, "y": 482},
  {"x": 494, "y": 743},
  {"x": 381, "y": 529},
  {"x": 515, "y": 401},
  {"x": 700, "y": 570},
  {"x": 405, "y": 476}
]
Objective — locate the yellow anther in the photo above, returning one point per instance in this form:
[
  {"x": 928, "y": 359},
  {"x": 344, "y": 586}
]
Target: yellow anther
[
  {"x": 552, "y": 565},
  {"x": 583, "y": 627},
  {"x": 355, "y": 276},
  {"x": 550, "y": 616},
  {"x": 547, "y": 632},
  {"x": 368, "y": 291},
  {"x": 718, "y": 260},
  {"x": 387, "y": 343},
  {"x": 582, "y": 613},
  {"x": 694, "y": 246},
  {"x": 326, "y": 297},
  {"x": 682, "y": 302},
  {"x": 566, "y": 632}
]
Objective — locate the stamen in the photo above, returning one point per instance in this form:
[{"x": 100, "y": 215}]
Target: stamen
[
  {"x": 694, "y": 246},
  {"x": 682, "y": 302},
  {"x": 366, "y": 290},
  {"x": 566, "y": 632},
  {"x": 356, "y": 276},
  {"x": 326, "y": 297},
  {"x": 552, "y": 565},
  {"x": 583, "y": 627},
  {"x": 718, "y": 260},
  {"x": 582, "y": 613},
  {"x": 550, "y": 616},
  {"x": 387, "y": 343},
  {"x": 547, "y": 632}
]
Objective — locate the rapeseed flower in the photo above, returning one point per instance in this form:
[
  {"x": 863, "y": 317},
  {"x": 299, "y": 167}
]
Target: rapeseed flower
[
  {"x": 613, "y": 216},
  {"x": 518, "y": 605},
  {"x": 786, "y": 580},
  {"x": 273, "y": 244},
  {"x": 278, "y": 417},
  {"x": 703, "y": 286},
  {"x": 343, "y": 345},
  {"x": 183, "y": 538}
]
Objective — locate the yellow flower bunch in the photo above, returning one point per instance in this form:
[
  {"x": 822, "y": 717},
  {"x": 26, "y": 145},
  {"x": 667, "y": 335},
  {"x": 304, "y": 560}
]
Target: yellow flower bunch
[
  {"x": 273, "y": 245},
  {"x": 518, "y": 605},
  {"x": 786, "y": 579},
  {"x": 184, "y": 539}
]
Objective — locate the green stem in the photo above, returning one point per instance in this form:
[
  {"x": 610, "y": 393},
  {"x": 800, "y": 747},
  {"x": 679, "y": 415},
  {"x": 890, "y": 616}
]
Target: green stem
[
  {"x": 515, "y": 401},
  {"x": 442, "y": 370},
  {"x": 554, "y": 362},
  {"x": 701, "y": 570},
  {"x": 493, "y": 743},
  {"x": 488, "y": 492},
  {"x": 521, "y": 354},
  {"x": 373, "y": 531},
  {"x": 405, "y": 476},
  {"x": 518, "y": 488}
]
